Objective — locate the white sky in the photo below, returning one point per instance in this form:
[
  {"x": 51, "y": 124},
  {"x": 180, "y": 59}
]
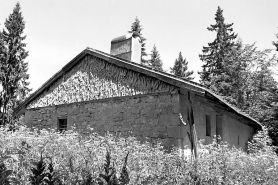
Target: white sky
[{"x": 58, "y": 30}]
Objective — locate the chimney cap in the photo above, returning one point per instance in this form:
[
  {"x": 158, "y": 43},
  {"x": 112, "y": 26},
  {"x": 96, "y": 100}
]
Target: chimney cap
[{"x": 125, "y": 37}]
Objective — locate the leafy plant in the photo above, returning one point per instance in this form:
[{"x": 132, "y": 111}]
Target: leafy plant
[
  {"x": 124, "y": 177},
  {"x": 52, "y": 177},
  {"x": 38, "y": 175},
  {"x": 109, "y": 172}
]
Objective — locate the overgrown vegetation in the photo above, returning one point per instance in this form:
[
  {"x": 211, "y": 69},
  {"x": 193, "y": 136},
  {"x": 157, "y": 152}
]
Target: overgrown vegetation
[{"x": 48, "y": 157}]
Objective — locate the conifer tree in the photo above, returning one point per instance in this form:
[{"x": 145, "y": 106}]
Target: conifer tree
[
  {"x": 137, "y": 27},
  {"x": 14, "y": 68},
  {"x": 155, "y": 61},
  {"x": 214, "y": 54},
  {"x": 180, "y": 68}
]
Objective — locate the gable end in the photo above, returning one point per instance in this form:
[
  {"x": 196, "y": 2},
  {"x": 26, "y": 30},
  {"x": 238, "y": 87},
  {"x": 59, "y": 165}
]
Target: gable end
[{"x": 93, "y": 78}]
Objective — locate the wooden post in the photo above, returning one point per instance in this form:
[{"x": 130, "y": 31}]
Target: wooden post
[{"x": 192, "y": 135}]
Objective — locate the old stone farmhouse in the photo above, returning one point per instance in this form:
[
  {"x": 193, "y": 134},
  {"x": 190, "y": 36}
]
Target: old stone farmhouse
[{"x": 108, "y": 92}]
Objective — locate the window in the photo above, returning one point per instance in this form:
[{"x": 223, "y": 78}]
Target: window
[
  {"x": 219, "y": 128},
  {"x": 208, "y": 125},
  {"x": 62, "y": 124}
]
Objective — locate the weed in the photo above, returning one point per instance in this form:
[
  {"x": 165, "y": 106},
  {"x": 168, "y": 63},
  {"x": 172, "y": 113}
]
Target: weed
[{"x": 38, "y": 175}]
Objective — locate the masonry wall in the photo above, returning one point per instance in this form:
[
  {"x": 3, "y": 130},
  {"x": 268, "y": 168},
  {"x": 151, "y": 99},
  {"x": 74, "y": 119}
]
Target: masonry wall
[{"x": 154, "y": 116}]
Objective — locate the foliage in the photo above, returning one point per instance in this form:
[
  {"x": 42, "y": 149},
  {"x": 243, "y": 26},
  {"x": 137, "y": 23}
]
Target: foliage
[
  {"x": 109, "y": 172},
  {"x": 137, "y": 27},
  {"x": 77, "y": 159},
  {"x": 242, "y": 75},
  {"x": 5, "y": 174},
  {"x": 247, "y": 83},
  {"x": 38, "y": 175},
  {"x": 124, "y": 177},
  {"x": 180, "y": 68},
  {"x": 52, "y": 177},
  {"x": 215, "y": 53},
  {"x": 155, "y": 61},
  {"x": 261, "y": 142},
  {"x": 13, "y": 74}
]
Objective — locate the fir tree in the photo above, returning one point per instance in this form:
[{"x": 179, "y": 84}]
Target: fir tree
[
  {"x": 155, "y": 61},
  {"x": 215, "y": 53},
  {"x": 137, "y": 27},
  {"x": 14, "y": 68},
  {"x": 180, "y": 68},
  {"x": 231, "y": 83}
]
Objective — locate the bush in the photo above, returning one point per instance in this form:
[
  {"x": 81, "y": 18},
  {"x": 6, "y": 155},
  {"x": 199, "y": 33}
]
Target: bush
[{"x": 48, "y": 157}]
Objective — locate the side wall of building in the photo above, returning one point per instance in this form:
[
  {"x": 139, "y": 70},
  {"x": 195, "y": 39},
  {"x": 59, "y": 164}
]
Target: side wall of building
[
  {"x": 154, "y": 116},
  {"x": 232, "y": 130}
]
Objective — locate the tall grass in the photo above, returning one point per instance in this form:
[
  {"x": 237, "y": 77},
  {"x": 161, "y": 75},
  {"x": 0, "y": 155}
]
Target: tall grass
[{"x": 48, "y": 157}]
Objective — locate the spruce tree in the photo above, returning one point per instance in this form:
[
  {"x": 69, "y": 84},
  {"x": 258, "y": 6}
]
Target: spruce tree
[
  {"x": 180, "y": 68},
  {"x": 14, "y": 73},
  {"x": 214, "y": 54},
  {"x": 137, "y": 27},
  {"x": 155, "y": 61}
]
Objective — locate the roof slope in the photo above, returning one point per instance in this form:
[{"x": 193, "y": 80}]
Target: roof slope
[{"x": 163, "y": 76}]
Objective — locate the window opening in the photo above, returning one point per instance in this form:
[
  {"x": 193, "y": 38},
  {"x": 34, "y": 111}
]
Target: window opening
[
  {"x": 208, "y": 125},
  {"x": 62, "y": 124}
]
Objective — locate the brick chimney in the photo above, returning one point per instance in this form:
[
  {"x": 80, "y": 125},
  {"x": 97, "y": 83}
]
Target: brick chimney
[{"x": 127, "y": 47}]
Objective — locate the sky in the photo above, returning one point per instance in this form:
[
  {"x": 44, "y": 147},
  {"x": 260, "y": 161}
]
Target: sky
[{"x": 59, "y": 30}]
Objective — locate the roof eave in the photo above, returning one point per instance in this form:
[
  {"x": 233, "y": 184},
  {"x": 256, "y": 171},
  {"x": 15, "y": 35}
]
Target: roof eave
[{"x": 254, "y": 122}]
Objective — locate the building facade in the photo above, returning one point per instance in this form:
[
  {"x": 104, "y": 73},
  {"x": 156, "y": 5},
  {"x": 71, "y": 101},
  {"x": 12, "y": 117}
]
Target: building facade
[{"x": 108, "y": 92}]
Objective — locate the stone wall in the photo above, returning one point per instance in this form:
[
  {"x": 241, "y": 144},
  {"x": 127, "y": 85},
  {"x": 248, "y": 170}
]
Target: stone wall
[
  {"x": 154, "y": 116},
  {"x": 93, "y": 79}
]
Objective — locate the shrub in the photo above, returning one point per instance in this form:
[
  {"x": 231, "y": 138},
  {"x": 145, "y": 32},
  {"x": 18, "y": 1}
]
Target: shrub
[{"x": 69, "y": 159}]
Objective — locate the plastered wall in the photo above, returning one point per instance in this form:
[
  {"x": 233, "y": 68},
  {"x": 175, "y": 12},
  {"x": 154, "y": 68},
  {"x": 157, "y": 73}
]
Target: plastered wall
[
  {"x": 154, "y": 116},
  {"x": 234, "y": 131}
]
